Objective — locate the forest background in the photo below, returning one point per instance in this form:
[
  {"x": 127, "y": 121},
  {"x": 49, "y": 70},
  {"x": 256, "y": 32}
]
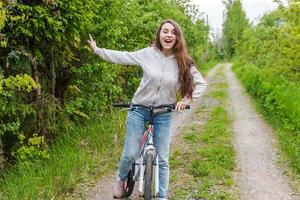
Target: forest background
[{"x": 56, "y": 122}]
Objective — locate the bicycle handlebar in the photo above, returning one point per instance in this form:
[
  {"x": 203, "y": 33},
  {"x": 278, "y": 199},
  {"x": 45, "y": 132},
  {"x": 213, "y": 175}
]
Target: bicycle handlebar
[{"x": 128, "y": 105}]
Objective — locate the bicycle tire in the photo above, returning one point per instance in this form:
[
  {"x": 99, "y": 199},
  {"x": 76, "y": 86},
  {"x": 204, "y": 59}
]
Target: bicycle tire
[
  {"x": 148, "y": 176},
  {"x": 129, "y": 182}
]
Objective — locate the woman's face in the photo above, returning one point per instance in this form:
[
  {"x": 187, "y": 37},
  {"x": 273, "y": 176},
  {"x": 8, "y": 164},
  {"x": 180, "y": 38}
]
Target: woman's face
[{"x": 167, "y": 36}]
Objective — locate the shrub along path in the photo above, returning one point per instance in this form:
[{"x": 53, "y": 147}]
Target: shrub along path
[{"x": 196, "y": 155}]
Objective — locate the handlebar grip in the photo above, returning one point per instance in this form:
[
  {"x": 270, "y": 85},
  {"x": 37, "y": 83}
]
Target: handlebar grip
[
  {"x": 186, "y": 107},
  {"x": 121, "y": 105}
]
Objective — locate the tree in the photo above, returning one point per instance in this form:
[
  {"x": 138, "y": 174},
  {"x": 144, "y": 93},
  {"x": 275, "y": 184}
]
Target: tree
[
  {"x": 47, "y": 40},
  {"x": 233, "y": 27}
]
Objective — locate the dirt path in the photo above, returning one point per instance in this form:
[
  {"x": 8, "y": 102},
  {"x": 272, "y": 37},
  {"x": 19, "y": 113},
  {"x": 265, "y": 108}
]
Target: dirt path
[{"x": 258, "y": 177}]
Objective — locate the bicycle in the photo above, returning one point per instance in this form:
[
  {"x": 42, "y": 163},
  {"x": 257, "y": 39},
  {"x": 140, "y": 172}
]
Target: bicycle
[{"x": 146, "y": 165}]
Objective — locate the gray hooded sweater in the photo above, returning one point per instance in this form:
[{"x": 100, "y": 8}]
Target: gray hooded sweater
[{"x": 160, "y": 83}]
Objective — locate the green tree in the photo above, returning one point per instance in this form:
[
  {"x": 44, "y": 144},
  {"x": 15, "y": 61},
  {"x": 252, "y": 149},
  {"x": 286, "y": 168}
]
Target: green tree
[
  {"x": 2, "y": 16},
  {"x": 43, "y": 40},
  {"x": 233, "y": 27},
  {"x": 47, "y": 39},
  {"x": 270, "y": 53}
]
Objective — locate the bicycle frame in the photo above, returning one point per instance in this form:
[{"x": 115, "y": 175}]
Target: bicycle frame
[{"x": 146, "y": 147}]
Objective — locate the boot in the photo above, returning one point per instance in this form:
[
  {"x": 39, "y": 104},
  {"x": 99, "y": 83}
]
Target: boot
[{"x": 118, "y": 190}]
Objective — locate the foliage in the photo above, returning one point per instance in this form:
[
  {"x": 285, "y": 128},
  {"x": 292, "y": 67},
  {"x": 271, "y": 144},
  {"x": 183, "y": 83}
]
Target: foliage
[
  {"x": 233, "y": 27},
  {"x": 67, "y": 85},
  {"x": 24, "y": 82},
  {"x": 13, "y": 111},
  {"x": 47, "y": 40},
  {"x": 273, "y": 49},
  {"x": 35, "y": 148},
  {"x": 269, "y": 67},
  {"x": 2, "y": 20},
  {"x": 270, "y": 43},
  {"x": 75, "y": 161}
]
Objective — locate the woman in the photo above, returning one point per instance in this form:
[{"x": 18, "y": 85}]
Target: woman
[{"x": 167, "y": 70}]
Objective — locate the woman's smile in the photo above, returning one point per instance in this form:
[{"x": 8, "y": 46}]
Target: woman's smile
[{"x": 167, "y": 37}]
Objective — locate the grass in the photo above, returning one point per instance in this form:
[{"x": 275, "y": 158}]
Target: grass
[
  {"x": 204, "y": 68},
  {"x": 80, "y": 157},
  {"x": 203, "y": 161}
]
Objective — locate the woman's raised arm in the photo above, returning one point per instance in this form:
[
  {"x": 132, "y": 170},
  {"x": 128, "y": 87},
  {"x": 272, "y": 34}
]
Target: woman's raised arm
[{"x": 117, "y": 57}]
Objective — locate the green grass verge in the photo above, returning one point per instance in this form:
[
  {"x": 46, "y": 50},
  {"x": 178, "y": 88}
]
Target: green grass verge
[
  {"x": 204, "y": 68},
  {"x": 203, "y": 162},
  {"x": 80, "y": 157}
]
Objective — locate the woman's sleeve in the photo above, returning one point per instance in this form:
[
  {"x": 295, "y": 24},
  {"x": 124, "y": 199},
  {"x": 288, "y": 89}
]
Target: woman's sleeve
[
  {"x": 121, "y": 57},
  {"x": 200, "y": 85}
]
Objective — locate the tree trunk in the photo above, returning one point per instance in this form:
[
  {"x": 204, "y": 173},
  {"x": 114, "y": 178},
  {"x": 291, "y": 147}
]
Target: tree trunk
[
  {"x": 1, "y": 156},
  {"x": 35, "y": 76},
  {"x": 53, "y": 85},
  {"x": 53, "y": 73},
  {"x": 38, "y": 91}
]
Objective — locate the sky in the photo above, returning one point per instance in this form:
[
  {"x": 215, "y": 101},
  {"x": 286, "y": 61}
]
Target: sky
[{"x": 214, "y": 9}]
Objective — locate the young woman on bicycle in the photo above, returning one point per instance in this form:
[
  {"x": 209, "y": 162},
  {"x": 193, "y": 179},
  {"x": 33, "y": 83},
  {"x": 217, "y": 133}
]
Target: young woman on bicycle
[{"x": 167, "y": 70}]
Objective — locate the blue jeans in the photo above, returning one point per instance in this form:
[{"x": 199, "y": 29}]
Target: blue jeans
[{"x": 135, "y": 124}]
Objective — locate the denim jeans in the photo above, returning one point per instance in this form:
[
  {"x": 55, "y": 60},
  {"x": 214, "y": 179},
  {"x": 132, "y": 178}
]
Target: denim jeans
[{"x": 135, "y": 124}]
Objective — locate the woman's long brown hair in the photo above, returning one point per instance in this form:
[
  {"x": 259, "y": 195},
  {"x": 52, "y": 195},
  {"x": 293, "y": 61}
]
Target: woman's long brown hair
[{"x": 183, "y": 59}]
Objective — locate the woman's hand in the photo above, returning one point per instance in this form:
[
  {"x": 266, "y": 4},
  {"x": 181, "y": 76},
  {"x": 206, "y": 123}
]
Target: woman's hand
[
  {"x": 180, "y": 105},
  {"x": 92, "y": 43}
]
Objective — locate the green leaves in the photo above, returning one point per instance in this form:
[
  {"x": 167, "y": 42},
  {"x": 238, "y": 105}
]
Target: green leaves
[
  {"x": 268, "y": 65},
  {"x": 233, "y": 27},
  {"x": 47, "y": 39},
  {"x": 12, "y": 111},
  {"x": 32, "y": 149},
  {"x": 20, "y": 82}
]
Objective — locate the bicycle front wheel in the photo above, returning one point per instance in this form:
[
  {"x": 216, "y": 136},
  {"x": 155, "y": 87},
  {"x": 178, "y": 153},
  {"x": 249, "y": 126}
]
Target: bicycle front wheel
[{"x": 148, "y": 176}]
